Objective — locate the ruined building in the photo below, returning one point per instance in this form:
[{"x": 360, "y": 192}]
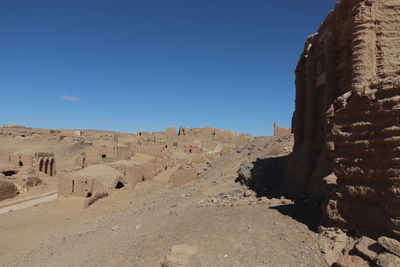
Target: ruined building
[
  {"x": 347, "y": 114},
  {"x": 281, "y": 131}
]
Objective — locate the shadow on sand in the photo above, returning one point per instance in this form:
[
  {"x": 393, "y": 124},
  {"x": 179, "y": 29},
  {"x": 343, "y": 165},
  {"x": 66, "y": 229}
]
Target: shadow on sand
[{"x": 265, "y": 177}]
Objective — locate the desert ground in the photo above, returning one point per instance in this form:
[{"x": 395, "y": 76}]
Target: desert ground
[{"x": 212, "y": 220}]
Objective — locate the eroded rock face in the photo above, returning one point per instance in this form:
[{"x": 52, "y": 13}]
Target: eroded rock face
[
  {"x": 347, "y": 115},
  {"x": 7, "y": 189}
]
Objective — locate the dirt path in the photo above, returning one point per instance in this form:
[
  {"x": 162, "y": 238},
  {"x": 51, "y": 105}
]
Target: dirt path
[{"x": 27, "y": 202}]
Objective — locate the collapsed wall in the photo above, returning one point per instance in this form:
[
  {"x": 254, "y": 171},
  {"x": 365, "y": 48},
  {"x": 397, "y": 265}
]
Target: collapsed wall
[{"x": 347, "y": 116}]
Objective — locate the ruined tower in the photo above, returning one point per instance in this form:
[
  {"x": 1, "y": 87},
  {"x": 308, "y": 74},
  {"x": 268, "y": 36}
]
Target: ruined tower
[{"x": 347, "y": 116}]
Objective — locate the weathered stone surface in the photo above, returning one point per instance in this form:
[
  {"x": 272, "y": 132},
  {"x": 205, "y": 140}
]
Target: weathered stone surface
[
  {"x": 351, "y": 261},
  {"x": 387, "y": 260},
  {"x": 7, "y": 189},
  {"x": 346, "y": 118},
  {"x": 391, "y": 245},
  {"x": 179, "y": 256},
  {"x": 368, "y": 247}
]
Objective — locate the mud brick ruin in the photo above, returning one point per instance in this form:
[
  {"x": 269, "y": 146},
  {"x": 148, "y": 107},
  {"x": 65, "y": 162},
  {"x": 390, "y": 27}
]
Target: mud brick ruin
[
  {"x": 281, "y": 131},
  {"x": 346, "y": 119}
]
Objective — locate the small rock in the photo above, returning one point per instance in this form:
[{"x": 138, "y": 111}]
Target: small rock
[
  {"x": 390, "y": 244},
  {"x": 387, "y": 260},
  {"x": 114, "y": 228},
  {"x": 247, "y": 193},
  {"x": 172, "y": 212},
  {"x": 184, "y": 249},
  {"x": 138, "y": 226},
  {"x": 351, "y": 261}
]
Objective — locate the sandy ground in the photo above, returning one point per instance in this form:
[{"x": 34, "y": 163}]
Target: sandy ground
[{"x": 139, "y": 227}]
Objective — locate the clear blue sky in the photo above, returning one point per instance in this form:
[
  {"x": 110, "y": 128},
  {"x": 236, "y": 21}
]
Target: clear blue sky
[{"x": 143, "y": 65}]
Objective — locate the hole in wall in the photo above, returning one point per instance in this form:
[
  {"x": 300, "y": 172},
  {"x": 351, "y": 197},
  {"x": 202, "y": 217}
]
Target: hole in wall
[
  {"x": 89, "y": 194},
  {"x": 9, "y": 173},
  {"x": 119, "y": 185}
]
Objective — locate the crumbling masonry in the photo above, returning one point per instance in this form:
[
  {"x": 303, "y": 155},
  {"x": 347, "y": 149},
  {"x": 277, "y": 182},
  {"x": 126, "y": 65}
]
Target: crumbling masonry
[{"x": 347, "y": 116}]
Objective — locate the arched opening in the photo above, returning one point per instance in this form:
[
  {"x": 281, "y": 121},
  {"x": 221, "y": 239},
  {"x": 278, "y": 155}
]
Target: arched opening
[
  {"x": 20, "y": 163},
  {"x": 51, "y": 173},
  {"x": 190, "y": 150},
  {"x": 103, "y": 156},
  {"x": 119, "y": 185},
  {"x": 83, "y": 163},
  {"x": 46, "y": 166},
  {"x": 41, "y": 165},
  {"x": 73, "y": 186},
  {"x": 89, "y": 194},
  {"x": 143, "y": 178}
]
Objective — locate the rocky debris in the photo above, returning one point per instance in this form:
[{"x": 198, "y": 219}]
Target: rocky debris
[
  {"x": 268, "y": 146},
  {"x": 244, "y": 174},
  {"x": 179, "y": 256},
  {"x": 368, "y": 248},
  {"x": 264, "y": 176},
  {"x": 241, "y": 197},
  {"x": 341, "y": 249},
  {"x": 351, "y": 261},
  {"x": 334, "y": 243},
  {"x": 390, "y": 244}
]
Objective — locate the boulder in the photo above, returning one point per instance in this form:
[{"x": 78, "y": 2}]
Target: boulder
[
  {"x": 387, "y": 260},
  {"x": 351, "y": 261},
  {"x": 368, "y": 248},
  {"x": 390, "y": 244}
]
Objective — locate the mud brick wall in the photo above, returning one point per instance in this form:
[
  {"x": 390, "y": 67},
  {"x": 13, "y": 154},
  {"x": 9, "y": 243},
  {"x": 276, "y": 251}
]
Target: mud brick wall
[{"x": 347, "y": 116}]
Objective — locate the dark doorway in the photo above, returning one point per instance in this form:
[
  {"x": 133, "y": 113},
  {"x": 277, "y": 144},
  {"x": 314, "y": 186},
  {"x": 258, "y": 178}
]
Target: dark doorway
[
  {"x": 119, "y": 185},
  {"x": 41, "y": 165},
  {"x": 89, "y": 194},
  {"x": 51, "y": 167},
  {"x": 103, "y": 156},
  {"x": 46, "y": 166},
  {"x": 20, "y": 163}
]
